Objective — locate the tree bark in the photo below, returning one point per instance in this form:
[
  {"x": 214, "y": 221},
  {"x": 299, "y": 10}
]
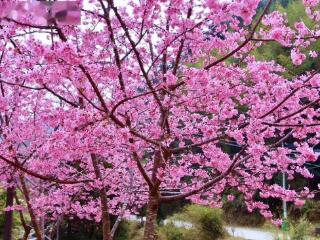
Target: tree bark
[
  {"x": 34, "y": 222},
  {"x": 103, "y": 201},
  {"x": 115, "y": 226},
  {"x": 150, "y": 231},
  {"x": 8, "y": 216},
  {"x": 26, "y": 227}
]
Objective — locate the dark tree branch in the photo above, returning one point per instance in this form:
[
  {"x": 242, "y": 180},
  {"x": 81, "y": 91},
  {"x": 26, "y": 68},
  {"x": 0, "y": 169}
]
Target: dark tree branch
[
  {"x": 209, "y": 184},
  {"x": 142, "y": 170},
  {"x": 248, "y": 39},
  {"x": 37, "y": 175},
  {"x": 289, "y": 95},
  {"x": 177, "y": 61},
  {"x": 291, "y": 125},
  {"x": 106, "y": 15},
  {"x": 59, "y": 96},
  {"x": 95, "y": 88},
  {"x": 298, "y": 111},
  {"x": 189, "y": 147}
]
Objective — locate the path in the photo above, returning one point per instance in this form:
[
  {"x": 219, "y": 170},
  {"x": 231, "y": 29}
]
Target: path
[{"x": 249, "y": 233}]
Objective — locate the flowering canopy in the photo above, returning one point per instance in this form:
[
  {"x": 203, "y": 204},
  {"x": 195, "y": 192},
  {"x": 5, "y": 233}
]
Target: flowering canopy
[{"x": 138, "y": 99}]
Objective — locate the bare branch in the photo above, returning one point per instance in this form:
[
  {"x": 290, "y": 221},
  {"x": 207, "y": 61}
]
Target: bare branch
[
  {"x": 209, "y": 184},
  {"x": 289, "y": 95},
  {"x": 298, "y": 111},
  {"x": 142, "y": 171},
  {"x": 248, "y": 39},
  {"x": 37, "y": 175}
]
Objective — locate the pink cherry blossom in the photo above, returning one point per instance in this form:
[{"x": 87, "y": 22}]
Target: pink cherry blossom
[
  {"x": 297, "y": 57},
  {"x": 313, "y": 54},
  {"x": 230, "y": 198},
  {"x": 136, "y": 106},
  {"x": 299, "y": 202},
  {"x": 311, "y": 3},
  {"x": 277, "y": 222}
]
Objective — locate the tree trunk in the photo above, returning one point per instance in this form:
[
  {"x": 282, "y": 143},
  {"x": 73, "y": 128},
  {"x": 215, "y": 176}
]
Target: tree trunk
[
  {"x": 8, "y": 215},
  {"x": 26, "y": 227},
  {"x": 151, "y": 221},
  {"x": 118, "y": 221},
  {"x": 34, "y": 222},
  {"x": 105, "y": 215},
  {"x": 103, "y": 201},
  {"x": 150, "y": 230}
]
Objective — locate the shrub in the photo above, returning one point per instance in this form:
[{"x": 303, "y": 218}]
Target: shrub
[
  {"x": 311, "y": 211},
  {"x": 207, "y": 223},
  {"x": 299, "y": 230},
  {"x": 171, "y": 232},
  {"x": 236, "y": 213},
  {"x": 129, "y": 230}
]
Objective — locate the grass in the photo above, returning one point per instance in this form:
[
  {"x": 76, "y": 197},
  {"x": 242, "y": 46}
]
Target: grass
[
  {"x": 233, "y": 238},
  {"x": 268, "y": 226}
]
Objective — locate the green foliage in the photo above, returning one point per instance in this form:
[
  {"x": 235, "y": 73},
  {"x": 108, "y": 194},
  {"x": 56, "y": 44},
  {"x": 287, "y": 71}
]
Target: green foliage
[
  {"x": 17, "y": 228},
  {"x": 310, "y": 211},
  {"x": 295, "y": 11},
  {"x": 2, "y": 206},
  {"x": 198, "y": 64},
  {"x": 129, "y": 230},
  {"x": 207, "y": 224},
  {"x": 171, "y": 232},
  {"x": 207, "y": 221},
  {"x": 170, "y": 209},
  {"x": 274, "y": 51},
  {"x": 79, "y": 229},
  {"x": 300, "y": 230},
  {"x": 285, "y": 3},
  {"x": 236, "y": 213}
]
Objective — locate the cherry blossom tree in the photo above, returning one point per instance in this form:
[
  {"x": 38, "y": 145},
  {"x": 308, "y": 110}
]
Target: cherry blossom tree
[{"x": 130, "y": 108}]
